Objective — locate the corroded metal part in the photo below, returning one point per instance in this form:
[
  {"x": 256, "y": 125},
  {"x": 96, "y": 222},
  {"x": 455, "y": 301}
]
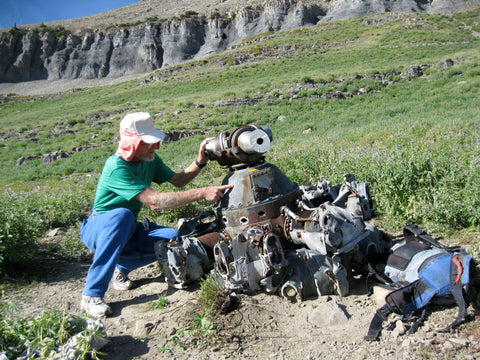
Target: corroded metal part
[
  {"x": 252, "y": 257},
  {"x": 329, "y": 229},
  {"x": 314, "y": 274},
  {"x": 182, "y": 260},
  {"x": 268, "y": 233},
  {"x": 211, "y": 239},
  {"x": 245, "y": 145}
]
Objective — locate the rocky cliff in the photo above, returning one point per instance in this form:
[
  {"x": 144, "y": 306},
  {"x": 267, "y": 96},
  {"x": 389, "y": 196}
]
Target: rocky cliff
[{"x": 44, "y": 53}]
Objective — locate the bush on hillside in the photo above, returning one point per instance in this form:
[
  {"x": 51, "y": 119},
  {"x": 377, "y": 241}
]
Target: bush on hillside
[{"x": 28, "y": 215}]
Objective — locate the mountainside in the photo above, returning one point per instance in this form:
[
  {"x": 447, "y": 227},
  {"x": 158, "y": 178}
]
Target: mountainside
[{"x": 151, "y": 34}]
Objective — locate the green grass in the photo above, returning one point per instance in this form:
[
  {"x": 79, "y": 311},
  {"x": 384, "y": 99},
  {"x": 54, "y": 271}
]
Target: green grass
[
  {"x": 414, "y": 140},
  {"x": 210, "y": 289},
  {"x": 160, "y": 303}
]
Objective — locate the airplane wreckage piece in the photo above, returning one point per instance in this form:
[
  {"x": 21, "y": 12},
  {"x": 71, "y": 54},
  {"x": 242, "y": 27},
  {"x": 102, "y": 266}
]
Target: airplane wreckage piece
[{"x": 270, "y": 233}]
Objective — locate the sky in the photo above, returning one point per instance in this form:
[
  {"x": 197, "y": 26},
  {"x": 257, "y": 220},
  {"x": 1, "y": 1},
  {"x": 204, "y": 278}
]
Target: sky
[{"x": 24, "y": 12}]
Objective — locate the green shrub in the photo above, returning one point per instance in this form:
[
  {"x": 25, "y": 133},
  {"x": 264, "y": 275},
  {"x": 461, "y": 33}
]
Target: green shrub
[
  {"x": 230, "y": 62},
  {"x": 160, "y": 303},
  {"x": 307, "y": 80},
  {"x": 44, "y": 333},
  {"x": 60, "y": 31},
  {"x": 19, "y": 229},
  {"x": 255, "y": 51},
  {"x": 188, "y": 14},
  {"x": 27, "y": 215}
]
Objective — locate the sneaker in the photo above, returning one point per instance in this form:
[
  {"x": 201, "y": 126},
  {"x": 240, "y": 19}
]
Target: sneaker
[
  {"x": 95, "y": 306},
  {"x": 121, "y": 281}
]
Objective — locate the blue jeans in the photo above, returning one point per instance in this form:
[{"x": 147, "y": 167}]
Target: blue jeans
[{"x": 118, "y": 240}]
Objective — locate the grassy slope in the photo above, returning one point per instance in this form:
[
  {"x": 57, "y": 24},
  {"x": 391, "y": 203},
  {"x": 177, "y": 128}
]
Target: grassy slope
[{"x": 415, "y": 140}]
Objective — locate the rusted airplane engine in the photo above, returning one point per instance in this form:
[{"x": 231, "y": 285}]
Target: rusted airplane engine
[{"x": 269, "y": 233}]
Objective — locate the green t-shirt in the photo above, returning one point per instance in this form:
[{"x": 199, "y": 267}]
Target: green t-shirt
[{"x": 122, "y": 180}]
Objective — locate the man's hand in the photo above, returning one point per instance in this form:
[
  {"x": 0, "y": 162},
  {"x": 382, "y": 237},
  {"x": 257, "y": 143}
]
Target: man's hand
[
  {"x": 184, "y": 177},
  {"x": 202, "y": 157},
  {"x": 215, "y": 193}
]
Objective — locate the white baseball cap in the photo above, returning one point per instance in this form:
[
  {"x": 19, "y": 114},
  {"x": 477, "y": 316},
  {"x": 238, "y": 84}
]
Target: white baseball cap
[{"x": 141, "y": 123}]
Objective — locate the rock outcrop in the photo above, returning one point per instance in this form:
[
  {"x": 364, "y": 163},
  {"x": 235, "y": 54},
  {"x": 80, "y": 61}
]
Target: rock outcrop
[{"x": 118, "y": 51}]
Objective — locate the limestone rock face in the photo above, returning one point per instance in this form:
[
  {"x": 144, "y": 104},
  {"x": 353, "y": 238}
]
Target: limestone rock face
[{"x": 142, "y": 48}]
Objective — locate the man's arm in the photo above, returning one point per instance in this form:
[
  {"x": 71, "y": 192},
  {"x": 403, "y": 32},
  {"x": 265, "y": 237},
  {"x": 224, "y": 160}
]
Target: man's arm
[
  {"x": 162, "y": 201},
  {"x": 184, "y": 177}
]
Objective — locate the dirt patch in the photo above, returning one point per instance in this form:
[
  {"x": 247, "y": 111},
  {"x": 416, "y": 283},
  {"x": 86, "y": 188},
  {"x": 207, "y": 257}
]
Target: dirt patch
[
  {"x": 262, "y": 325},
  {"x": 45, "y": 87}
]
